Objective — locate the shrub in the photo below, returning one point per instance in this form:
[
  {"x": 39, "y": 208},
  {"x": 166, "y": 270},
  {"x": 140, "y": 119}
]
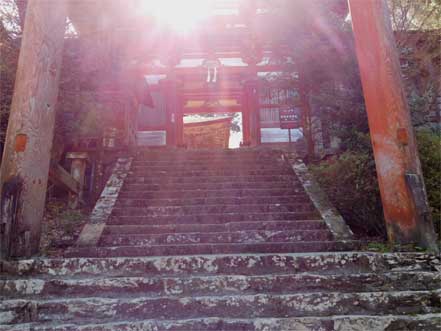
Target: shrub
[
  {"x": 429, "y": 146},
  {"x": 351, "y": 184},
  {"x": 350, "y": 180}
]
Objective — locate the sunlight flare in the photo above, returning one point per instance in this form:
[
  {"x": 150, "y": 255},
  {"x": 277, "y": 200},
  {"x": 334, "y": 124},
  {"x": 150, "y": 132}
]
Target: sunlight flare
[{"x": 182, "y": 15}]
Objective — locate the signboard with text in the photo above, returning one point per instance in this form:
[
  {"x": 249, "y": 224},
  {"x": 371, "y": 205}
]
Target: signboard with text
[{"x": 290, "y": 117}]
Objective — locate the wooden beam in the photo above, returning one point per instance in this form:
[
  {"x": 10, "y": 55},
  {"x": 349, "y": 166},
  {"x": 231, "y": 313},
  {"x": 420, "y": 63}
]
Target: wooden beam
[
  {"x": 211, "y": 96},
  {"x": 404, "y": 202},
  {"x": 62, "y": 178},
  {"x": 31, "y": 123},
  {"x": 224, "y": 71},
  {"x": 209, "y": 110}
]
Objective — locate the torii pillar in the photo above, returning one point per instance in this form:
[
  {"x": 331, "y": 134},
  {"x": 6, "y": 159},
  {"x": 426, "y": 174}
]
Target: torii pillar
[
  {"x": 27, "y": 153},
  {"x": 396, "y": 156}
]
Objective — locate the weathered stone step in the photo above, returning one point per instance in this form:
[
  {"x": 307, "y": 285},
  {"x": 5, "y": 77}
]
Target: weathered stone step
[
  {"x": 211, "y": 173},
  {"x": 212, "y": 209},
  {"x": 183, "y": 229},
  {"x": 191, "y": 194},
  {"x": 210, "y": 158},
  {"x": 210, "y": 152},
  {"x": 215, "y": 238},
  {"x": 149, "y": 178},
  {"x": 228, "y": 227},
  {"x": 197, "y": 155},
  {"x": 225, "y": 264},
  {"x": 209, "y": 186},
  {"x": 209, "y": 164},
  {"x": 195, "y": 249},
  {"x": 218, "y": 285},
  {"x": 218, "y": 218},
  {"x": 281, "y": 172},
  {"x": 142, "y": 202},
  {"x": 416, "y": 322},
  {"x": 90, "y": 310}
]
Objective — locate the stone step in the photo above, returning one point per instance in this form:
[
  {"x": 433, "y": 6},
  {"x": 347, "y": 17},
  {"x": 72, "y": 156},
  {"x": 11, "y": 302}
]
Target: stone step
[
  {"x": 209, "y": 158},
  {"x": 416, "y": 322},
  {"x": 195, "y": 249},
  {"x": 142, "y": 202},
  {"x": 102, "y": 310},
  {"x": 228, "y": 152},
  {"x": 218, "y": 218},
  {"x": 212, "y": 209},
  {"x": 213, "y": 163},
  {"x": 219, "y": 171},
  {"x": 209, "y": 186},
  {"x": 114, "y": 287},
  {"x": 191, "y": 194},
  {"x": 224, "y": 264},
  {"x": 215, "y": 238},
  {"x": 223, "y": 240},
  {"x": 209, "y": 152},
  {"x": 203, "y": 228},
  {"x": 134, "y": 171},
  {"x": 129, "y": 187},
  {"x": 163, "y": 165},
  {"x": 148, "y": 178}
]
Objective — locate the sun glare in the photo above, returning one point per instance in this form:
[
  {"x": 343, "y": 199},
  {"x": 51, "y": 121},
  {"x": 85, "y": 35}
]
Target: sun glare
[{"x": 181, "y": 15}]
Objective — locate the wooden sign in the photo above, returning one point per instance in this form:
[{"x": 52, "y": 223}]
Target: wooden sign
[{"x": 290, "y": 117}]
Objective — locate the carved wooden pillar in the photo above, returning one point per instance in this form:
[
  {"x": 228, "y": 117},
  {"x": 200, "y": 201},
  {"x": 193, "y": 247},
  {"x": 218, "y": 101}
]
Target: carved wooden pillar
[
  {"x": 175, "y": 131},
  {"x": 398, "y": 166},
  {"x": 251, "y": 120},
  {"x": 252, "y": 55},
  {"x": 246, "y": 124},
  {"x": 305, "y": 104},
  {"x": 180, "y": 126},
  {"x": 29, "y": 137}
]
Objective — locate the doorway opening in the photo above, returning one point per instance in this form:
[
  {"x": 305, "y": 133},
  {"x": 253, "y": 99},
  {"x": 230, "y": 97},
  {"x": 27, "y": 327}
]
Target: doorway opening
[{"x": 208, "y": 130}]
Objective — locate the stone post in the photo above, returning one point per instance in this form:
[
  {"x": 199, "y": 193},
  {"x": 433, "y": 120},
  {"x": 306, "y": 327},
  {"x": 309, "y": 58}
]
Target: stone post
[{"x": 78, "y": 172}]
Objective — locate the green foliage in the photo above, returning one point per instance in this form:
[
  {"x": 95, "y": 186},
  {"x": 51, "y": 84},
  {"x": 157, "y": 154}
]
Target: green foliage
[
  {"x": 379, "y": 247},
  {"x": 429, "y": 145},
  {"x": 61, "y": 226},
  {"x": 415, "y": 14},
  {"x": 9, "y": 49},
  {"x": 351, "y": 184},
  {"x": 350, "y": 178},
  {"x": 65, "y": 219},
  {"x": 387, "y": 247}
]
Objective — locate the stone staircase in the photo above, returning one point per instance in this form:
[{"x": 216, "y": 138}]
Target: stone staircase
[{"x": 220, "y": 240}]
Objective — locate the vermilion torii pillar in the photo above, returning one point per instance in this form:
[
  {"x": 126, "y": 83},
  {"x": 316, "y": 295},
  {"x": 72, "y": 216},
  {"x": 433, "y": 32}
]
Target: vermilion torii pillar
[
  {"x": 399, "y": 171},
  {"x": 27, "y": 152}
]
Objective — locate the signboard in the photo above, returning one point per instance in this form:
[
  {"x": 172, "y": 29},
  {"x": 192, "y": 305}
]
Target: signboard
[{"x": 290, "y": 117}]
